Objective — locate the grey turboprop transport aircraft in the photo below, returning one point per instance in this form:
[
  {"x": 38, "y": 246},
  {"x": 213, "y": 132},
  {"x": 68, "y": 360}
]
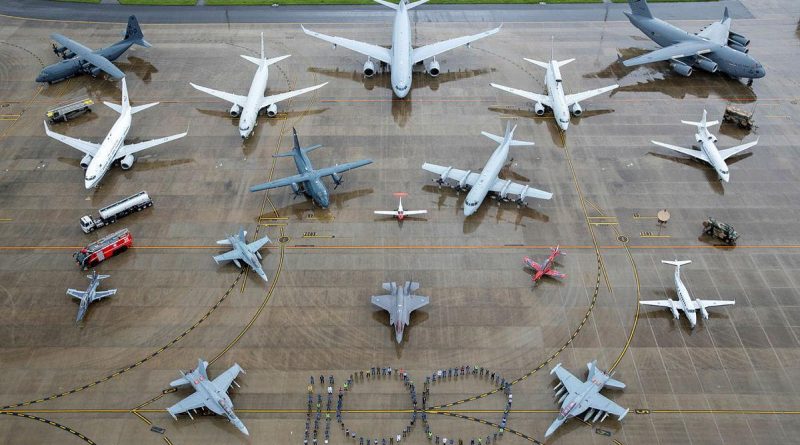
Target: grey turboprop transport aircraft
[{"x": 401, "y": 56}]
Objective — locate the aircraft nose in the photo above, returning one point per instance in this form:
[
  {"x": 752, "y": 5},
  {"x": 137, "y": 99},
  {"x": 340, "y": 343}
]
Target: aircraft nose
[
  {"x": 324, "y": 201},
  {"x": 469, "y": 210},
  {"x": 725, "y": 178},
  {"x": 400, "y": 93},
  {"x": 41, "y": 77}
]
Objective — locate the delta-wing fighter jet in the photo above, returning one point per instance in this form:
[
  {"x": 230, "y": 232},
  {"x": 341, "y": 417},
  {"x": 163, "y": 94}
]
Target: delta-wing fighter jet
[
  {"x": 400, "y": 213},
  {"x": 400, "y": 303},
  {"x": 556, "y": 99},
  {"x": 708, "y": 150},
  {"x": 80, "y": 59},
  {"x": 715, "y": 48},
  {"x": 244, "y": 252},
  {"x": 211, "y": 394},
  {"x": 307, "y": 180},
  {"x": 401, "y": 56},
  {"x": 545, "y": 269},
  {"x": 480, "y": 184},
  {"x": 576, "y": 397},
  {"x": 247, "y": 108},
  {"x": 91, "y": 294},
  {"x": 98, "y": 158},
  {"x": 685, "y": 302}
]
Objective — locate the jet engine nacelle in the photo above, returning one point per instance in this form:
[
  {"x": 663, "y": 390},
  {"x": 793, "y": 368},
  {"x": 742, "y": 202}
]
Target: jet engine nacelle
[
  {"x": 127, "y": 162},
  {"x": 681, "y": 68},
  {"x": 735, "y": 45},
  {"x": 738, "y": 38},
  {"x": 236, "y": 110},
  {"x": 538, "y": 109},
  {"x": 433, "y": 68},
  {"x": 86, "y": 161},
  {"x": 577, "y": 110},
  {"x": 272, "y": 110},
  {"x": 369, "y": 68},
  {"x": 706, "y": 64}
]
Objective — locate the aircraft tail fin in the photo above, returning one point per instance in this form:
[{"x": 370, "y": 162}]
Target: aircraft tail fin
[
  {"x": 676, "y": 263},
  {"x": 640, "y": 8},
  {"x": 544, "y": 65},
  {"x": 262, "y": 47},
  {"x": 703, "y": 122},
  {"x": 134, "y": 33},
  {"x": 242, "y": 234},
  {"x": 202, "y": 366},
  {"x": 725, "y": 15},
  {"x": 296, "y": 149}
]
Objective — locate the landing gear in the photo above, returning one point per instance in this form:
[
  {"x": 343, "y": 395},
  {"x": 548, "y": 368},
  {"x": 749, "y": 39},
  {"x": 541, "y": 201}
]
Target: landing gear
[{"x": 750, "y": 82}]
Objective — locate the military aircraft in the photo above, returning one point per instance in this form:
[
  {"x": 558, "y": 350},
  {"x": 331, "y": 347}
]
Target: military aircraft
[
  {"x": 247, "y": 108},
  {"x": 307, "y": 180},
  {"x": 685, "y": 302},
  {"x": 547, "y": 267},
  {"x": 244, "y": 251},
  {"x": 400, "y": 213},
  {"x": 98, "y": 158},
  {"x": 480, "y": 184},
  {"x": 401, "y": 56},
  {"x": 715, "y": 48},
  {"x": 708, "y": 150},
  {"x": 91, "y": 294},
  {"x": 212, "y": 394},
  {"x": 577, "y": 397},
  {"x": 400, "y": 303},
  {"x": 80, "y": 59},
  {"x": 556, "y": 99}
]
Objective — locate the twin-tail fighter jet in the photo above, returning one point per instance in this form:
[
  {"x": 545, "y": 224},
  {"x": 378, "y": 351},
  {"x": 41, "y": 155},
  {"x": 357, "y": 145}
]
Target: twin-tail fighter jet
[
  {"x": 247, "y": 108},
  {"x": 100, "y": 157},
  {"x": 401, "y": 56},
  {"x": 244, "y": 251},
  {"x": 400, "y": 303}
]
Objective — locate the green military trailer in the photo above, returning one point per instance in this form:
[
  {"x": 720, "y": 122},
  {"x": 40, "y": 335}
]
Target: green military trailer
[
  {"x": 720, "y": 230},
  {"x": 738, "y": 116}
]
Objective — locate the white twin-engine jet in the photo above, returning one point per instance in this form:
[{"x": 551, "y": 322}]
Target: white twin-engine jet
[
  {"x": 400, "y": 213},
  {"x": 247, "y": 108},
  {"x": 401, "y": 56},
  {"x": 99, "y": 157},
  {"x": 708, "y": 150},
  {"x": 556, "y": 99},
  {"x": 685, "y": 302}
]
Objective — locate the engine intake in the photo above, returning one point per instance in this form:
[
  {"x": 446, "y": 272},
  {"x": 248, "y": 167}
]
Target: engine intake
[
  {"x": 706, "y": 64},
  {"x": 127, "y": 162},
  {"x": 272, "y": 110},
  {"x": 681, "y": 68},
  {"x": 433, "y": 68},
  {"x": 369, "y": 68},
  {"x": 738, "y": 38},
  {"x": 577, "y": 110},
  {"x": 538, "y": 109},
  {"x": 236, "y": 110},
  {"x": 86, "y": 161},
  {"x": 735, "y": 45}
]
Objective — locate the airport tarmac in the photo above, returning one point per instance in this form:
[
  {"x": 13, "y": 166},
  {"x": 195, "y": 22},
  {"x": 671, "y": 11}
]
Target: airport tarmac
[{"x": 731, "y": 380}]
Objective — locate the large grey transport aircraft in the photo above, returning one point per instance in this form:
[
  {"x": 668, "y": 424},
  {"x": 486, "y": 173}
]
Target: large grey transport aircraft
[
  {"x": 91, "y": 294},
  {"x": 401, "y": 56},
  {"x": 80, "y": 59},
  {"x": 211, "y": 394},
  {"x": 307, "y": 180},
  {"x": 715, "y": 48},
  {"x": 400, "y": 303}
]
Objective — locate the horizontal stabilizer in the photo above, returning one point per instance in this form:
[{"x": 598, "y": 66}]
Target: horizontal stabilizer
[
  {"x": 676, "y": 262},
  {"x": 415, "y": 4},
  {"x": 544, "y": 65},
  {"x": 701, "y": 124},
  {"x": 179, "y": 382},
  {"x": 285, "y": 154},
  {"x": 387, "y": 4},
  {"x": 224, "y": 242},
  {"x": 113, "y": 106},
  {"x": 499, "y": 140},
  {"x": 135, "y": 110},
  {"x": 616, "y": 384},
  {"x": 564, "y": 62}
]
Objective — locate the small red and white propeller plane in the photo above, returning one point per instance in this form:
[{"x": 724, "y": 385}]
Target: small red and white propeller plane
[
  {"x": 400, "y": 213},
  {"x": 547, "y": 267}
]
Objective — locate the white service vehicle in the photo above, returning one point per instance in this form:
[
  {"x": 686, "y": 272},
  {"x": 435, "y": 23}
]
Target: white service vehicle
[{"x": 110, "y": 214}]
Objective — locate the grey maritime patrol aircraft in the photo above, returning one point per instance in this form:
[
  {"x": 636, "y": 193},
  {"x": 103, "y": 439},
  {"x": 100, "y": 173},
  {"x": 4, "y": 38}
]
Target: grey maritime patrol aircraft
[
  {"x": 80, "y": 59},
  {"x": 400, "y": 303},
  {"x": 91, "y": 294}
]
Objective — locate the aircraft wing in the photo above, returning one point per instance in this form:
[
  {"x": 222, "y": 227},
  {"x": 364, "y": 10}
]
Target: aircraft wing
[
  {"x": 258, "y": 244},
  {"x": 676, "y": 51},
  {"x": 275, "y": 98},
  {"x": 75, "y": 293},
  {"x": 88, "y": 55},
  {"x": 572, "y": 383},
  {"x": 541, "y": 98},
  {"x": 712, "y": 303},
  {"x": 232, "y": 98},
  {"x": 428, "y": 51},
  {"x": 602, "y": 403},
  {"x": 385, "y": 302},
  {"x": 224, "y": 380},
  {"x": 283, "y": 182},
  {"x": 555, "y": 273},
  {"x": 341, "y": 168},
  {"x": 135, "y": 148},
  {"x": 523, "y": 191},
  {"x": 368, "y": 49},
  {"x": 659, "y": 303},
  {"x": 387, "y": 212},
  {"x": 693, "y": 153},
  {"x": 86, "y": 147},
  {"x": 728, "y": 152},
  {"x": 452, "y": 173},
  {"x": 99, "y": 295},
  {"x": 414, "y": 212},
  {"x": 417, "y": 301},
  {"x": 578, "y": 97},
  {"x": 718, "y": 32},
  {"x": 229, "y": 256},
  {"x": 532, "y": 264},
  {"x": 194, "y": 401}
]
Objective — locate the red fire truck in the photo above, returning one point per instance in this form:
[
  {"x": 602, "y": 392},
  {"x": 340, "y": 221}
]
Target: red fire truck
[{"x": 103, "y": 248}]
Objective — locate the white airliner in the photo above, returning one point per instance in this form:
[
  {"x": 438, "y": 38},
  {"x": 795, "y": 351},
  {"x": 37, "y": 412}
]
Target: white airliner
[
  {"x": 685, "y": 302},
  {"x": 99, "y": 157},
  {"x": 246, "y": 108},
  {"x": 556, "y": 99},
  {"x": 708, "y": 150},
  {"x": 401, "y": 56},
  {"x": 480, "y": 184},
  {"x": 400, "y": 213}
]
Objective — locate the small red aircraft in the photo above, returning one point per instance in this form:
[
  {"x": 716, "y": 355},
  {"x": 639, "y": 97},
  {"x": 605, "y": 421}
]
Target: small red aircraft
[{"x": 547, "y": 267}]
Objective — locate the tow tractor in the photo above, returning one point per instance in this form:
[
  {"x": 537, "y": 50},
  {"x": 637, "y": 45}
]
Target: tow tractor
[
  {"x": 105, "y": 247},
  {"x": 720, "y": 230}
]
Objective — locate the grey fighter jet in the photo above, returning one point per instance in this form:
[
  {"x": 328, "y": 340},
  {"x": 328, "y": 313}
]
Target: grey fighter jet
[
  {"x": 400, "y": 304},
  {"x": 212, "y": 394},
  {"x": 243, "y": 251},
  {"x": 715, "y": 48},
  {"x": 91, "y": 294},
  {"x": 307, "y": 180},
  {"x": 80, "y": 59},
  {"x": 577, "y": 397}
]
